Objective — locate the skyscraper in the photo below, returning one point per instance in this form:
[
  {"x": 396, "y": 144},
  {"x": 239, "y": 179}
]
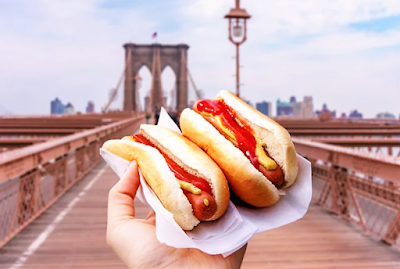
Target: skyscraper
[
  {"x": 265, "y": 108},
  {"x": 355, "y": 114},
  {"x": 294, "y": 108},
  {"x": 307, "y": 110},
  {"x": 325, "y": 113},
  {"x": 302, "y": 109},
  {"x": 69, "y": 109},
  {"x": 385, "y": 115},
  {"x": 56, "y": 107},
  {"x": 90, "y": 107},
  {"x": 283, "y": 108}
]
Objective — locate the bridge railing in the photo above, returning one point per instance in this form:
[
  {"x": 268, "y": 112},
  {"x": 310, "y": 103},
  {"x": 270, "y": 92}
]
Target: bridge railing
[
  {"x": 34, "y": 177},
  {"x": 360, "y": 187}
]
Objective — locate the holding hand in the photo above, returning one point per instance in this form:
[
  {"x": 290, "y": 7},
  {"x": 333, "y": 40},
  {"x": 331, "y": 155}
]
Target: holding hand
[{"x": 135, "y": 242}]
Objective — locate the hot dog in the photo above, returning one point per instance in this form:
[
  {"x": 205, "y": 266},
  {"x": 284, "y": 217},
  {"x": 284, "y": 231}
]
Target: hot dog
[
  {"x": 186, "y": 180},
  {"x": 255, "y": 153}
]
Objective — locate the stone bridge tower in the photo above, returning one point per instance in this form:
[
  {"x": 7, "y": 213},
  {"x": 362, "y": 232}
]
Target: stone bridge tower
[{"x": 156, "y": 57}]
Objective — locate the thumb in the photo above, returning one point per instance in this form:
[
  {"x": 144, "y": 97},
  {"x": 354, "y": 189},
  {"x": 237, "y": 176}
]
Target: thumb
[{"x": 122, "y": 195}]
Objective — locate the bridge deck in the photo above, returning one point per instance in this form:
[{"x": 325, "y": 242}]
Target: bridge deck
[{"x": 71, "y": 234}]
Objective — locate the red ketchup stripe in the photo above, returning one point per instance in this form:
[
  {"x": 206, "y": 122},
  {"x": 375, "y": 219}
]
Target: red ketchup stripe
[
  {"x": 179, "y": 172},
  {"x": 244, "y": 136}
]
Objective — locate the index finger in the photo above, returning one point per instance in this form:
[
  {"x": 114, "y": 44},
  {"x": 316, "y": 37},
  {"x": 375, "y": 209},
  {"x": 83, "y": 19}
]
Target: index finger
[{"x": 122, "y": 195}]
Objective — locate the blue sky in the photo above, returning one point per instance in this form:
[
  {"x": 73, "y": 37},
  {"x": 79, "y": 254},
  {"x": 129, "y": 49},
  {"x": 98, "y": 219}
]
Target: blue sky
[
  {"x": 377, "y": 25},
  {"x": 343, "y": 53}
]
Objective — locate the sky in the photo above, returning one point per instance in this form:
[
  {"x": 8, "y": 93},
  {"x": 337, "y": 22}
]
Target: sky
[{"x": 343, "y": 53}]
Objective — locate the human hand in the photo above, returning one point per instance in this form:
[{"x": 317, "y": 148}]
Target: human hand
[{"x": 135, "y": 242}]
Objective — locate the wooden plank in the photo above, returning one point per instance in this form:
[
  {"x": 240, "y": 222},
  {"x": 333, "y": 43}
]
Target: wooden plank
[
  {"x": 320, "y": 240},
  {"x": 37, "y": 132},
  {"x": 76, "y": 242}
]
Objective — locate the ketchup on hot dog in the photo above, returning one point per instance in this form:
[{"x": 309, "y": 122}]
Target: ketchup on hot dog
[
  {"x": 244, "y": 136},
  {"x": 204, "y": 205}
]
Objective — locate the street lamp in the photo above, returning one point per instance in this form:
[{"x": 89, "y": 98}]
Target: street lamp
[{"x": 237, "y": 34}]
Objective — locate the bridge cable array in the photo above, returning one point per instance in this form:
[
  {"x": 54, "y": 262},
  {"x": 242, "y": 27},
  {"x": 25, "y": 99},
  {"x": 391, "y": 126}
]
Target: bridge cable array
[{"x": 114, "y": 93}]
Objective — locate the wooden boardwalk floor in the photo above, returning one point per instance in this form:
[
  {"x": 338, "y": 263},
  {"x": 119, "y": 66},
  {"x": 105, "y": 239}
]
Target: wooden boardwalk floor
[{"x": 76, "y": 237}]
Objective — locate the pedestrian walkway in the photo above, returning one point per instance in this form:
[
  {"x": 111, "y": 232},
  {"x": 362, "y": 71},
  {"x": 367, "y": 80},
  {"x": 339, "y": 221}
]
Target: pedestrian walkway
[{"x": 71, "y": 234}]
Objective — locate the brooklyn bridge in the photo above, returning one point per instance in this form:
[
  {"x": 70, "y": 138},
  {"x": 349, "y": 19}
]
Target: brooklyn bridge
[
  {"x": 54, "y": 187},
  {"x": 54, "y": 184}
]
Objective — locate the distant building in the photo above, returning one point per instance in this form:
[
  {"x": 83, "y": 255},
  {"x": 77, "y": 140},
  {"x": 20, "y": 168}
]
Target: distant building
[
  {"x": 283, "y": 108},
  {"x": 265, "y": 108},
  {"x": 355, "y": 114},
  {"x": 325, "y": 113},
  {"x": 90, "y": 107},
  {"x": 248, "y": 102},
  {"x": 69, "y": 109},
  {"x": 172, "y": 102},
  {"x": 294, "y": 108},
  {"x": 302, "y": 109},
  {"x": 147, "y": 107},
  {"x": 56, "y": 107},
  {"x": 385, "y": 115},
  {"x": 307, "y": 110}
]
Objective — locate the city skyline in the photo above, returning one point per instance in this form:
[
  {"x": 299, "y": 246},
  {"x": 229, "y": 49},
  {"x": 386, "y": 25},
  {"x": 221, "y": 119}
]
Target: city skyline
[
  {"x": 346, "y": 54},
  {"x": 261, "y": 105}
]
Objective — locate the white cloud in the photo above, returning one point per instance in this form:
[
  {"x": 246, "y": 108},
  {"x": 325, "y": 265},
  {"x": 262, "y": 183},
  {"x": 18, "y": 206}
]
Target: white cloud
[
  {"x": 73, "y": 50},
  {"x": 308, "y": 17},
  {"x": 352, "y": 42},
  {"x": 328, "y": 61}
]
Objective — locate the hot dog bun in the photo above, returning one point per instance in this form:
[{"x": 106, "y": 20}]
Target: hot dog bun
[
  {"x": 247, "y": 182},
  {"x": 160, "y": 178},
  {"x": 280, "y": 145}
]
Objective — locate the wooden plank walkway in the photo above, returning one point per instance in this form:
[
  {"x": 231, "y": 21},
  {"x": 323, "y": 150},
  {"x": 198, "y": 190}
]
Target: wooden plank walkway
[{"x": 76, "y": 237}]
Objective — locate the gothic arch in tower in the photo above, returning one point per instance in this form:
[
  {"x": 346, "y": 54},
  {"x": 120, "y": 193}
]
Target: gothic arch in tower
[{"x": 156, "y": 57}]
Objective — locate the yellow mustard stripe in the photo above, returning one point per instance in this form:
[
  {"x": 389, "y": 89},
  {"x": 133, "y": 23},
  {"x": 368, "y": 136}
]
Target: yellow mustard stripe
[
  {"x": 263, "y": 158},
  {"x": 189, "y": 187}
]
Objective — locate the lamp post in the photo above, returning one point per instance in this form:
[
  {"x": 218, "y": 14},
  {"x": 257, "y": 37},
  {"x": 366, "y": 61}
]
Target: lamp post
[{"x": 237, "y": 34}]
